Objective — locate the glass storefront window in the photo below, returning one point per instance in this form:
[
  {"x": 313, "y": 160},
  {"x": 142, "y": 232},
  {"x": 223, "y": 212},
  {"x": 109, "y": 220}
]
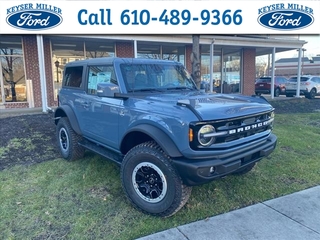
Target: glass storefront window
[
  {"x": 99, "y": 48},
  {"x": 66, "y": 50},
  {"x": 150, "y": 51},
  {"x": 231, "y": 73},
  {"x": 205, "y": 71},
  {"x": 12, "y": 72},
  {"x": 166, "y": 52}
]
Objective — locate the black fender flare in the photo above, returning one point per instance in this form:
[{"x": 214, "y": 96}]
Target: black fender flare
[
  {"x": 164, "y": 141},
  {"x": 67, "y": 111}
]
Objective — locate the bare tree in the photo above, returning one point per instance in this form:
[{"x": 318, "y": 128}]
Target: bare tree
[
  {"x": 158, "y": 56},
  {"x": 97, "y": 54},
  {"x": 261, "y": 67},
  {"x": 8, "y": 70},
  {"x": 195, "y": 60}
]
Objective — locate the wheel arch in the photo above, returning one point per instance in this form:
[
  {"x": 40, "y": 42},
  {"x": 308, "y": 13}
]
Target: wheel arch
[
  {"x": 66, "y": 111},
  {"x": 145, "y": 132}
]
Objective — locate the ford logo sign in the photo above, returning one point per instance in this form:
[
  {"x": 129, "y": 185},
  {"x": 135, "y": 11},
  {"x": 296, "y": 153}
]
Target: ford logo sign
[
  {"x": 285, "y": 20},
  {"x": 34, "y": 20}
]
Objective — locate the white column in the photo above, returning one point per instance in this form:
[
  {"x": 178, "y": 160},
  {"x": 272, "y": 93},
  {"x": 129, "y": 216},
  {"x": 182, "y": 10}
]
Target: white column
[
  {"x": 272, "y": 74},
  {"x": 211, "y": 65},
  {"x": 30, "y": 98},
  {"x": 135, "y": 48},
  {"x": 299, "y": 73},
  {"x": 42, "y": 73}
]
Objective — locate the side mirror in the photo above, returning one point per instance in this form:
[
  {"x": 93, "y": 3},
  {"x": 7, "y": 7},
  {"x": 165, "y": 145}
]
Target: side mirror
[{"x": 107, "y": 89}]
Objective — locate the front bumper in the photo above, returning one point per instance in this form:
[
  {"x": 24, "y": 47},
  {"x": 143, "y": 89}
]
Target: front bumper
[
  {"x": 196, "y": 171},
  {"x": 262, "y": 91}
]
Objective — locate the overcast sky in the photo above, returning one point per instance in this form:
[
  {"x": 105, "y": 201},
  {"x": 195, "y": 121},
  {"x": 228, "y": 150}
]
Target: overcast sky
[{"x": 312, "y": 47}]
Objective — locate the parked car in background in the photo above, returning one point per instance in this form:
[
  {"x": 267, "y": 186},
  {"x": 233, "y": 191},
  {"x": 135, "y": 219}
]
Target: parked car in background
[
  {"x": 263, "y": 86},
  {"x": 309, "y": 86}
]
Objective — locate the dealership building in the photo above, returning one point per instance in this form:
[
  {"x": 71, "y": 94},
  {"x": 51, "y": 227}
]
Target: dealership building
[{"x": 32, "y": 65}]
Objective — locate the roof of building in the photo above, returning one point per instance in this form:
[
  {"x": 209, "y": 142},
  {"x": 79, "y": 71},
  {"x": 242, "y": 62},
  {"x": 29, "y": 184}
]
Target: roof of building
[{"x": 287, "y": 60}]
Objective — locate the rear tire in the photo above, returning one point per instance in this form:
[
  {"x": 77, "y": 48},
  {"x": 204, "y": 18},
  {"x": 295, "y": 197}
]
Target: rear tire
[
  {"x": 150, "y": 181},
  {"x": 277, "y": 92},
  {"x": 68, "y": 141}
]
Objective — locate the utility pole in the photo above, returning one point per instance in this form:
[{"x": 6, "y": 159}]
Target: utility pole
[{"x": 195, "y": 60}]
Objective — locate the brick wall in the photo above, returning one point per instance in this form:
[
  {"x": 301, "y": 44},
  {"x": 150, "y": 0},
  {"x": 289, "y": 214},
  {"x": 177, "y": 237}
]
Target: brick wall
[
  {"x": 124, "y": 49},
  {"x": 32, "y": 66},
  {"x": 49, "y": 76},
  {"x": 16, "y": 105},
  {"x": 249, "y": 71}
]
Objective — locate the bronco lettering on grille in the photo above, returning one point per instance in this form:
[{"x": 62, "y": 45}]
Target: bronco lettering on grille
[{"x": 249, "y": 127}]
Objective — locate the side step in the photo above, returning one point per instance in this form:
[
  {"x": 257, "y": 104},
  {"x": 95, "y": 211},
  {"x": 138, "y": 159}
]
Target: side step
[{"x": 111, "y": 155}]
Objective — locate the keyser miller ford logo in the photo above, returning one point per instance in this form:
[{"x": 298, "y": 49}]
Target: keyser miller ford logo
[
  {"x": 34, "y": 16},
  {"x": 285, "y": 16}
]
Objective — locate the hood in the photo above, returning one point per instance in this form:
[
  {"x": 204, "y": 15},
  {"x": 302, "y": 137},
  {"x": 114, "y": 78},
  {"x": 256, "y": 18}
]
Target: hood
[{"x": 215, "y": 106}]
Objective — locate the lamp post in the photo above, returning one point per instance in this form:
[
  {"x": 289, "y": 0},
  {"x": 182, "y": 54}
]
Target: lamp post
[{"x": 57, "y": 63}]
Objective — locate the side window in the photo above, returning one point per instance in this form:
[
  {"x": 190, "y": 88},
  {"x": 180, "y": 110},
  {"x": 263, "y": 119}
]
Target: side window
[
  {"x": 98, "y": 74},
  {"x": 73, "y": 77}
]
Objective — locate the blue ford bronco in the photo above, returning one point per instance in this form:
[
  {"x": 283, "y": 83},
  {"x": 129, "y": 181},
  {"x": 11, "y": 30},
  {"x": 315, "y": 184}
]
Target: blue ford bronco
[{"x": 166, "y": 135}]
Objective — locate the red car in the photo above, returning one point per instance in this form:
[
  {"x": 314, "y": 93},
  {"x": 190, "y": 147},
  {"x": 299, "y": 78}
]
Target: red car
[{"x": 263, "y": 86}]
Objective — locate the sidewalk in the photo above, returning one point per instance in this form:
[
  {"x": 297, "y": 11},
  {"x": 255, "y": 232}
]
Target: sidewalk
[{"x": 292, "y": 217}]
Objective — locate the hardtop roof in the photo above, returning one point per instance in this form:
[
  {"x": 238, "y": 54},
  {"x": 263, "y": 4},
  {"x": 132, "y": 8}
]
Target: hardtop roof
[{"x": 111, "y": 60}]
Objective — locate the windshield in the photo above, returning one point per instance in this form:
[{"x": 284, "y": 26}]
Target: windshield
[{"x": 142, "y": 77}]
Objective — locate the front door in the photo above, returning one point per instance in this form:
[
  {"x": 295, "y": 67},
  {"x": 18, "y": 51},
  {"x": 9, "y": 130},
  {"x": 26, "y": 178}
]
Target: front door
[{"x": 100, "y": 115}]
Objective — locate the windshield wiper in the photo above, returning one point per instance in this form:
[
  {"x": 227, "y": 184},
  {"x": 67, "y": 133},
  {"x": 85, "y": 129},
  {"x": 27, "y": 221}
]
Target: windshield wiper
[
  {"x": 181, "y": 88},
  {"x": 147, "y": 90}
]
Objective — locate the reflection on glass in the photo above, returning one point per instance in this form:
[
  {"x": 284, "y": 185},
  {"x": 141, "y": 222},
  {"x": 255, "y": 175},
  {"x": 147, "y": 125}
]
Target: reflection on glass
[
  {"x": 231, "y": 73},
  {"x": 12, "y": 81},
  {"x": 156, "y": 77},
  {"x": 75, "y": 49}
]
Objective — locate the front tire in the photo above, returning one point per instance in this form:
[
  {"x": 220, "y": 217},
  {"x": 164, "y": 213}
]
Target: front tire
[
  {"x": 68, "y": 141},
  {"x": 311, "y": 94},
  {"x": 150, "y": 181}
]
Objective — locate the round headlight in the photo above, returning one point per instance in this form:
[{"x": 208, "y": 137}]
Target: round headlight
[{"x": 203, "y": 133}]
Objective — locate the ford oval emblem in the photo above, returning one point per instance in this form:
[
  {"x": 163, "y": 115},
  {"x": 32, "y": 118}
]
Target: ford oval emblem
[
  {"x": 285, "y": 20},
  {"x": 34, "y": 20}
]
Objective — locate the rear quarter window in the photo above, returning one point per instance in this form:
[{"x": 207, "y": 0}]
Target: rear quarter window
[{"x": 73, "y": 77}]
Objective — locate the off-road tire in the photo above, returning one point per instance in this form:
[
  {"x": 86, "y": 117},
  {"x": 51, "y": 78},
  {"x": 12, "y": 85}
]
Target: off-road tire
[
  {"x": 245, "y": 169},
  {"x": 68, "y": 141},
  {"x": 150, "y": 181}
]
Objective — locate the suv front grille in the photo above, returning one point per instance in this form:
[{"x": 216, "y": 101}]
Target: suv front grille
[{"x": 229, "y": 130}]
